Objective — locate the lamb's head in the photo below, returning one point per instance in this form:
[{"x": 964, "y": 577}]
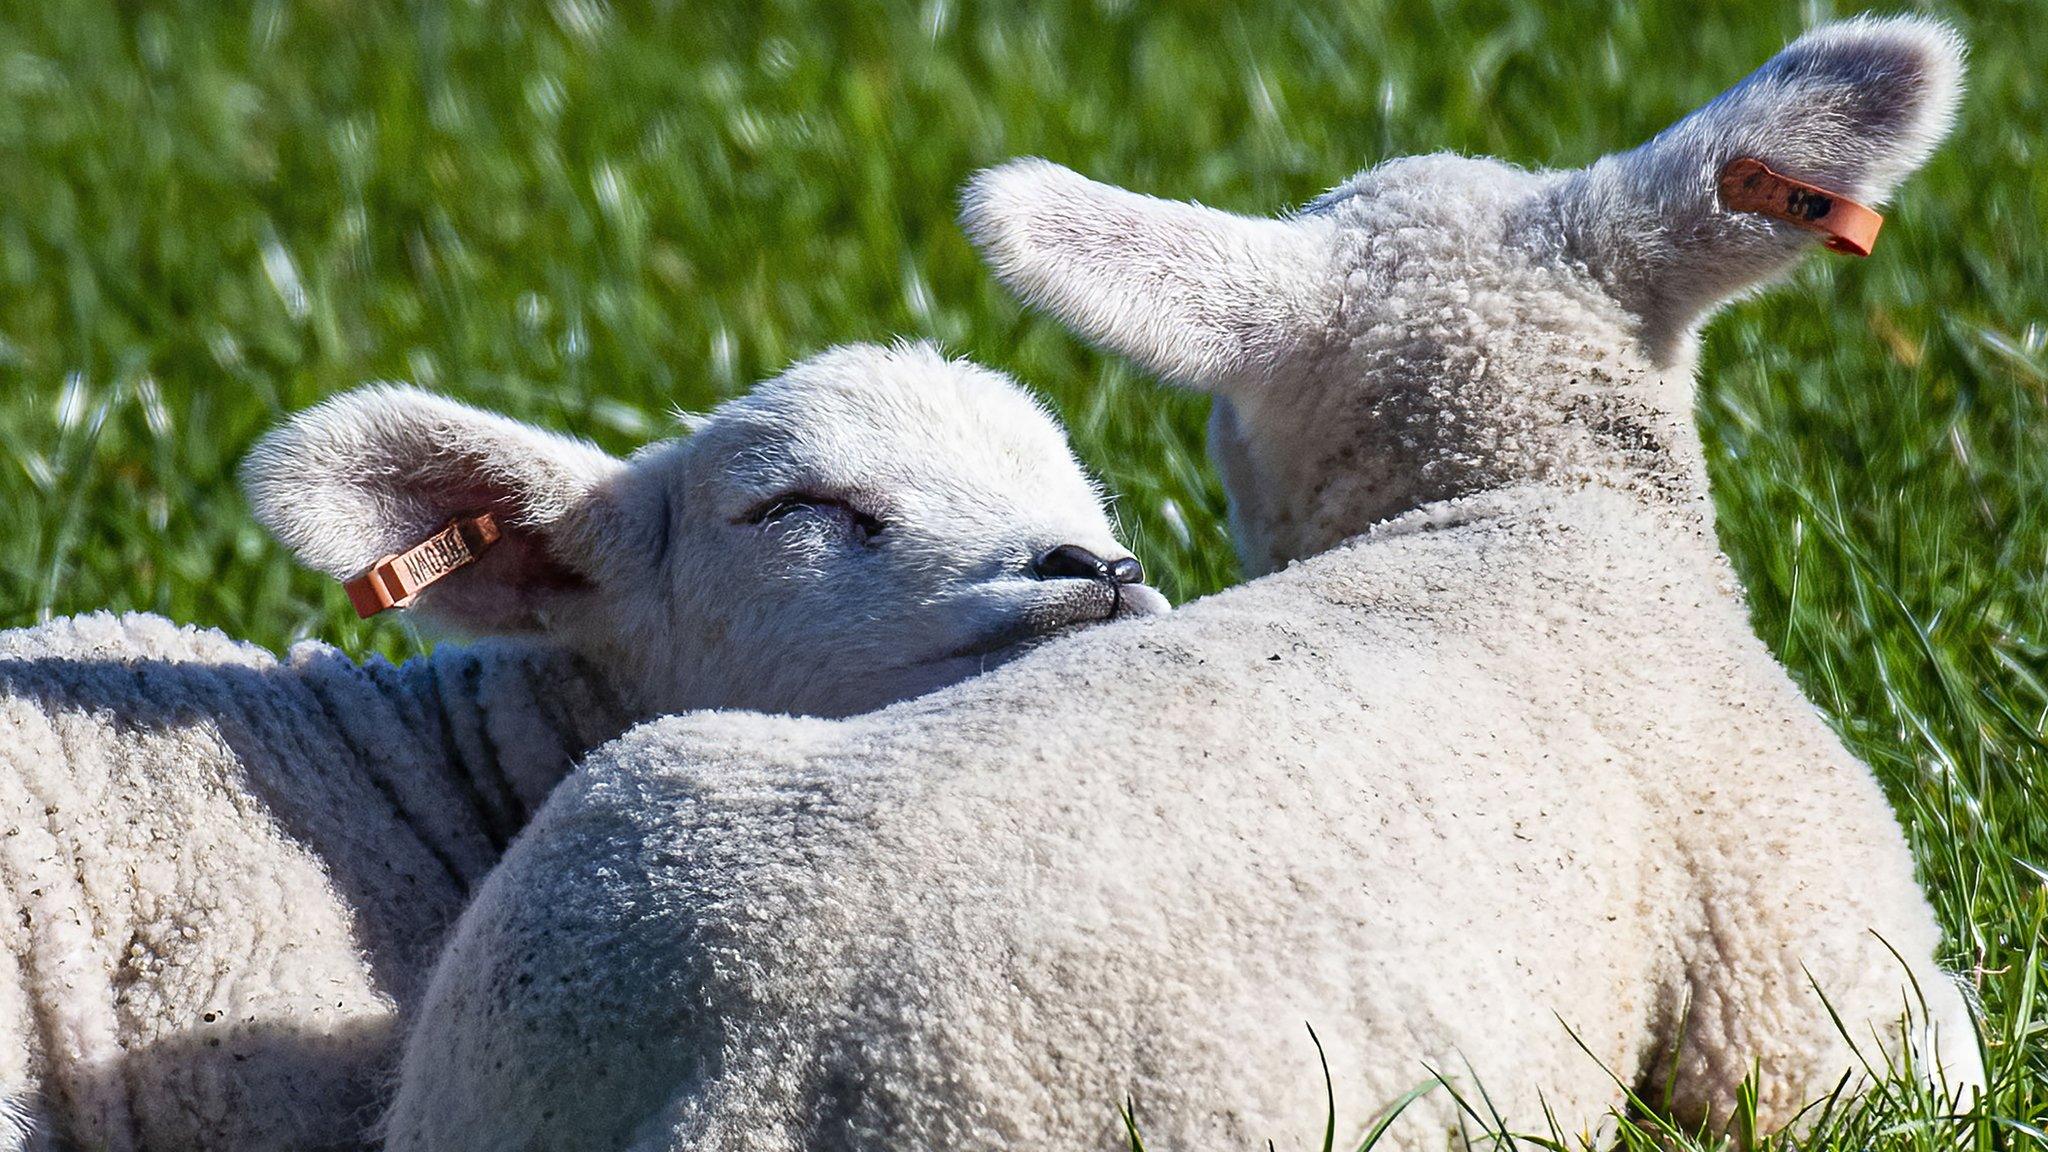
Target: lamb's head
[
  {"x": 1439, "y": 326},
  {"x": 872, "y": 524}
]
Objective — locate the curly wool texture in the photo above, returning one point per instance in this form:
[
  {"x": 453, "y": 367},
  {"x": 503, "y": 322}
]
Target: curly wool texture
[
  {"x": 226, "y": 875},
  {"x": 226, "y": 871},
  {"x": 1498, "y": 772}
]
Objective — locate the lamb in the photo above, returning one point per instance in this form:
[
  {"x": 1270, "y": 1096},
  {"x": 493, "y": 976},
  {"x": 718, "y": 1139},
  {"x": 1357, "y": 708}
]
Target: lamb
[
  {"x": 1495, "y": 784},
  {"x": 226, "y": 873}
]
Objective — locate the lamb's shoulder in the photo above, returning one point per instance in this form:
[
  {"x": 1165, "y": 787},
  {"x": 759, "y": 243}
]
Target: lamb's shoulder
[
  {"x": 121, "y": 725},
  {"x": 161, "y": 778},
  {"x": 586, "y": 955},
  {"x": 148, "y": 738}
]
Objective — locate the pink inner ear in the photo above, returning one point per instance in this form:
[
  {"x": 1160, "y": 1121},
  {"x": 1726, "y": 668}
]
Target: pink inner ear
[
  {"x": 510, "y": 589},
  {"x": 512, "y": 586}
]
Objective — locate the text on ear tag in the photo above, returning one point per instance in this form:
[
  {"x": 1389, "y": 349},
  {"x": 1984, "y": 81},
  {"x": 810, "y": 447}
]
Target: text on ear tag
[
  {"x": 396, "y": 580},
  {"x": 1750, "y": 185}
]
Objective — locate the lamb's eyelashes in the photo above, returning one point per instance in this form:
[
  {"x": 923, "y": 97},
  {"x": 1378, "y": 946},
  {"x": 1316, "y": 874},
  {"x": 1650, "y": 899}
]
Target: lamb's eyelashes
[{"x": 839, "y": 514}]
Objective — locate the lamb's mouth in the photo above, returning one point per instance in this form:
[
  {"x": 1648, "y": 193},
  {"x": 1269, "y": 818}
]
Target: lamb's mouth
[
  {"x": 1027, "y": 632},
  {"x": 1017, "y": 639},
  {"x": 1064, "y": 615}
]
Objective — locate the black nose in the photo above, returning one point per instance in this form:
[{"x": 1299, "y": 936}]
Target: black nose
[{"x": 1073, "y": 562}]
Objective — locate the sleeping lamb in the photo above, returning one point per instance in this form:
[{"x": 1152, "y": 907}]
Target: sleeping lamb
[
  {"x": 224, "y": 873},
  {"x": 1500, "y": 770}
]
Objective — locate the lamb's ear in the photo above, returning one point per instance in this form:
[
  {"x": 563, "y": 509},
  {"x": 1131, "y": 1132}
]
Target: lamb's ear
[
  {"x": 1853, "y": 107},
  {"x": 377, "y": 470},
  {"x": 1199, "y": 296}
]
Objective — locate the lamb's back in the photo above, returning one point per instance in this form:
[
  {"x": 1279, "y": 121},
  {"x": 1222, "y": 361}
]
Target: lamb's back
[{"x": 179, "y": 802}]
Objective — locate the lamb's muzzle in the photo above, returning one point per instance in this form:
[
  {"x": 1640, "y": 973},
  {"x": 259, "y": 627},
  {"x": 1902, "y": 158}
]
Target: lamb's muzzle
[{"x": 1073, "y": 587}]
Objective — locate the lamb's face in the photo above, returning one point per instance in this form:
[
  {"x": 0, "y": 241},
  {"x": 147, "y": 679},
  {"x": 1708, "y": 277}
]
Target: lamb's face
[
  {"x": 1439, "y": 326},
  {"x": 869, "y": 526}
]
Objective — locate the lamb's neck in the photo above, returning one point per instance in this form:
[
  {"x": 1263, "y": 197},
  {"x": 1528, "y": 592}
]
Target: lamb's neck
[
  {"x": 462, "y": 745},
  {"x": 1687, "y": 528},
  {"x": 1628, "y": 430},
  {"x": 1676, "y": 504},
  {"x": 1429, "y": 423},
  {"x": 511, "y": 720}
]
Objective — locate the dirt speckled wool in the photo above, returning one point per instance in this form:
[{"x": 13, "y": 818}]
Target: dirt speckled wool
[
  {"x": 226, "y": 875},
  {"x": 1498, "y": 771}
]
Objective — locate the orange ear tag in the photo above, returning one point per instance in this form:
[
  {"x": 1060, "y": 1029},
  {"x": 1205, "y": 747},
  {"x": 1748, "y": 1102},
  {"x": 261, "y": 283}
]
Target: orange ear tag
[
  {"x": 1749, "y": 185},
  {"x": 397, "y": 580}
]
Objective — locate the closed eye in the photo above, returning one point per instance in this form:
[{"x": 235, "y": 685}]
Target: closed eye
[{"x": 791, "y": 504}]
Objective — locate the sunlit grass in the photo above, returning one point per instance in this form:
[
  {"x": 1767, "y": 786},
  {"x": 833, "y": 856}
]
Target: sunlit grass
[{"x": 586, "y": 214}]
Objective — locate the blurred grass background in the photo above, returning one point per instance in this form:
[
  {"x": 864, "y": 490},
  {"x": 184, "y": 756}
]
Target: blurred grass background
[{"x": 586, "y": 215}]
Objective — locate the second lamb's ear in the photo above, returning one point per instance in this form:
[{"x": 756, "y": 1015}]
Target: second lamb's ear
[
  {"x": 1852, "y": 107},
  {"x": 1197, "y": 295},
  {"x": 377, "y": 470}
]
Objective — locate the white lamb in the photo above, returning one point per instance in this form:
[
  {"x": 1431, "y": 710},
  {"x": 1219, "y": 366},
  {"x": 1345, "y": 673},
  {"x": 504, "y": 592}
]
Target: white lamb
[
  {"x": 225, "y": 873},
  {"x": 1501, "y": 772}
]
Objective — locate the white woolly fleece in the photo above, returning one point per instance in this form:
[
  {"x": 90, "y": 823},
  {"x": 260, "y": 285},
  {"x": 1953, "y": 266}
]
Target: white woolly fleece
[
  {"x": 226, "y": 875},
  {"x": 1505, "y": 773}
]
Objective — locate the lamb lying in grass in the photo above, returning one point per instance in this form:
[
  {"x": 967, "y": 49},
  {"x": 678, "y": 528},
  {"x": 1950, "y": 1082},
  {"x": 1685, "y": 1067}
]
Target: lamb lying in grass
[
  {"x": 225, "y": 872},
  {"x": 1500, "y": 771}
]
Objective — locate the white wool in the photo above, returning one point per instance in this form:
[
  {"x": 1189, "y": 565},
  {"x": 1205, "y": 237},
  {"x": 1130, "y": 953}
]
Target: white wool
[
  {"x": 1497, "y": 771},
  {"x": 227, "y": 874}
]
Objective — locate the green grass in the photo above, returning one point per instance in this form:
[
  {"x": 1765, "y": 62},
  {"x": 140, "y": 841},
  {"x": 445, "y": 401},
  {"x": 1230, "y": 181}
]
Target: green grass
[{"x": 212, "y": 214}]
